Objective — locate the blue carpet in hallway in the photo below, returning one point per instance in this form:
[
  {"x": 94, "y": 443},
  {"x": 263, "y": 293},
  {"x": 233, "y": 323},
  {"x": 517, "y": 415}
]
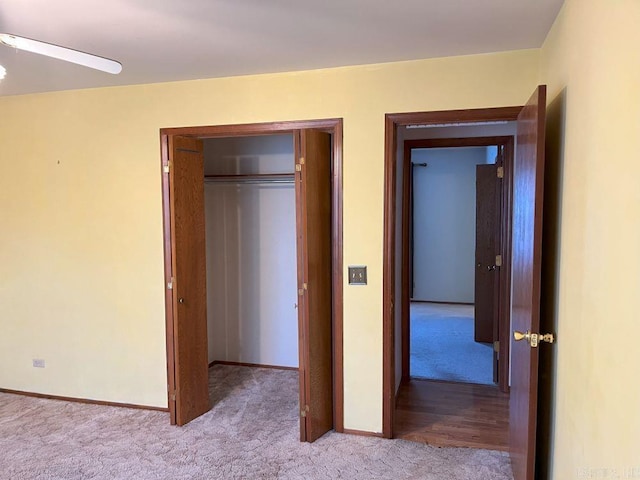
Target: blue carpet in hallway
[{"x": 442, "y": 345}]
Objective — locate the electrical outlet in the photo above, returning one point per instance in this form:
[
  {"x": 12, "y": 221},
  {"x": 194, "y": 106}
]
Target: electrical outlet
[
  {"x": 357, "y": 275},
  {"x": 38, "y": 363}
]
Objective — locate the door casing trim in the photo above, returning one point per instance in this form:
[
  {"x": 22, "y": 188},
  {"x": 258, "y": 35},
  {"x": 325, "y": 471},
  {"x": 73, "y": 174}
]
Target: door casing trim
[{"x": 333, "y": 126}]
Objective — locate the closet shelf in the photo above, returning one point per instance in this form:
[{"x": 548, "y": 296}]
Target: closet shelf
[{"x": 257, "y": 178}]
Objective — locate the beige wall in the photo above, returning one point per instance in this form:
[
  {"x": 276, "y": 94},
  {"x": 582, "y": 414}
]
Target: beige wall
[
  {"x": 81, "y": 244},
  {"x": 591, "y": 63}
]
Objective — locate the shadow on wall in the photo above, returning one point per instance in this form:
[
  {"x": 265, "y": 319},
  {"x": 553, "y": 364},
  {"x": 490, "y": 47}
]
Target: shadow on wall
[{"x": 552, "y": 220}]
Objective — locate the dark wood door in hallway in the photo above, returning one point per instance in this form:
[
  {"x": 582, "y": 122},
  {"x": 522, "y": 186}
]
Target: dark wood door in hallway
[{"x": 487, "y": 272}]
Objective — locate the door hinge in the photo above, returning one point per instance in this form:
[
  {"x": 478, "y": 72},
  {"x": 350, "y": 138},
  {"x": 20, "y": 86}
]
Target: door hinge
[
  {"x": 173, "y": 396},
  {"x": 298, "y": 167},
  {"x": 170, "y": 284},
  {"x": 496, "y": 346},
  {"x": 500, "y": 172},
  {"x": 301, "y": 290},
  {"x": 165, "y": 168},
  {"x": 498, "y": 260},
  {"x": 301, "y": 162},
  {"x": 303, "y": 411}
]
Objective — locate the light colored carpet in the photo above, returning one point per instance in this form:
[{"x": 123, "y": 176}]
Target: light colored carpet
[
  {"x": 251, "y": 433},
  {"x": 442, "y": 345}
]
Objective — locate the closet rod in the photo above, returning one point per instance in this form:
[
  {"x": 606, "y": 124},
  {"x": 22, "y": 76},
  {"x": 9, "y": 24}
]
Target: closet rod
[{"x": 258, "y": 178}]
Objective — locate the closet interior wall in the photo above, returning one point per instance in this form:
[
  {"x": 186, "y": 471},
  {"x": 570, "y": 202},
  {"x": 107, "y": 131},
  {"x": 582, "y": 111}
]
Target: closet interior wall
[{"x": 251, "y": 250}]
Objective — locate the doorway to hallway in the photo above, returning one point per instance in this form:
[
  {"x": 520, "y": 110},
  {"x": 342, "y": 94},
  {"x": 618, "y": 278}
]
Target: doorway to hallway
[
  {"x": 521, "y": 255},
  {"x": 455, "y": 201},
  {"x": 455, "y": 206}
]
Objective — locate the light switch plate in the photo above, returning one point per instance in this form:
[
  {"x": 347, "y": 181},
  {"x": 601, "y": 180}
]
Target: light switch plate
[{"x": 357, "y": 275}]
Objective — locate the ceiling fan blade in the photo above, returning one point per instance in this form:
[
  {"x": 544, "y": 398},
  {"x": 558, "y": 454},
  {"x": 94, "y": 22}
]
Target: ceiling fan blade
[{"x": 61, "y": 53}]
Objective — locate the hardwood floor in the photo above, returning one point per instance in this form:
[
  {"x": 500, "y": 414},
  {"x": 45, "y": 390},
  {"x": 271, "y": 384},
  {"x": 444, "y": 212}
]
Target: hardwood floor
[{"x": 447, "y": 414}]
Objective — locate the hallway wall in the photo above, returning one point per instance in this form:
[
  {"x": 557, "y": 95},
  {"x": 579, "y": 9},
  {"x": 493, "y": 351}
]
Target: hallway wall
[{"x": 444, "y": 223}]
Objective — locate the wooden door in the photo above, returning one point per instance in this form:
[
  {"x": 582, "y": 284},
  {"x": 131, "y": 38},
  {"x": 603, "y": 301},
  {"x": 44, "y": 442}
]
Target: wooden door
[
  {"x": 487, "y": 275},
  {"x": 190, "y": 355},
  {"x": 527, "y": 253},
  {"x": 313, "y": 225}
]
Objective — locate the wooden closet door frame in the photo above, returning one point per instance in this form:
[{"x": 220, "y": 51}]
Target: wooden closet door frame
[{"x": 332, "y": 126}]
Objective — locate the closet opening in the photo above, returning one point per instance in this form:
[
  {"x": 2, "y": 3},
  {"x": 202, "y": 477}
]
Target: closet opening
[
  {"x": 252, "y": 318},
  {"x": 253, "y": 264},
  {"x": 250, "y": 225}
]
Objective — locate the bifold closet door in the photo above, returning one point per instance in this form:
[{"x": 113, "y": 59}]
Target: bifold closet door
[
  {"x": 188, "y": 260},
  {"x": 313, "y": 231}
]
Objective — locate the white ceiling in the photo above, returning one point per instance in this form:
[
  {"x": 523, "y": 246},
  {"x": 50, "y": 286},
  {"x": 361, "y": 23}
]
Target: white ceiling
[{"x": 166, "y": 40}]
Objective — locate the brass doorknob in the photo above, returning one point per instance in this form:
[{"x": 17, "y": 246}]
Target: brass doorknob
[
  {"x": 519, "y": 335},
  {"x": 533, "y": 338}
]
